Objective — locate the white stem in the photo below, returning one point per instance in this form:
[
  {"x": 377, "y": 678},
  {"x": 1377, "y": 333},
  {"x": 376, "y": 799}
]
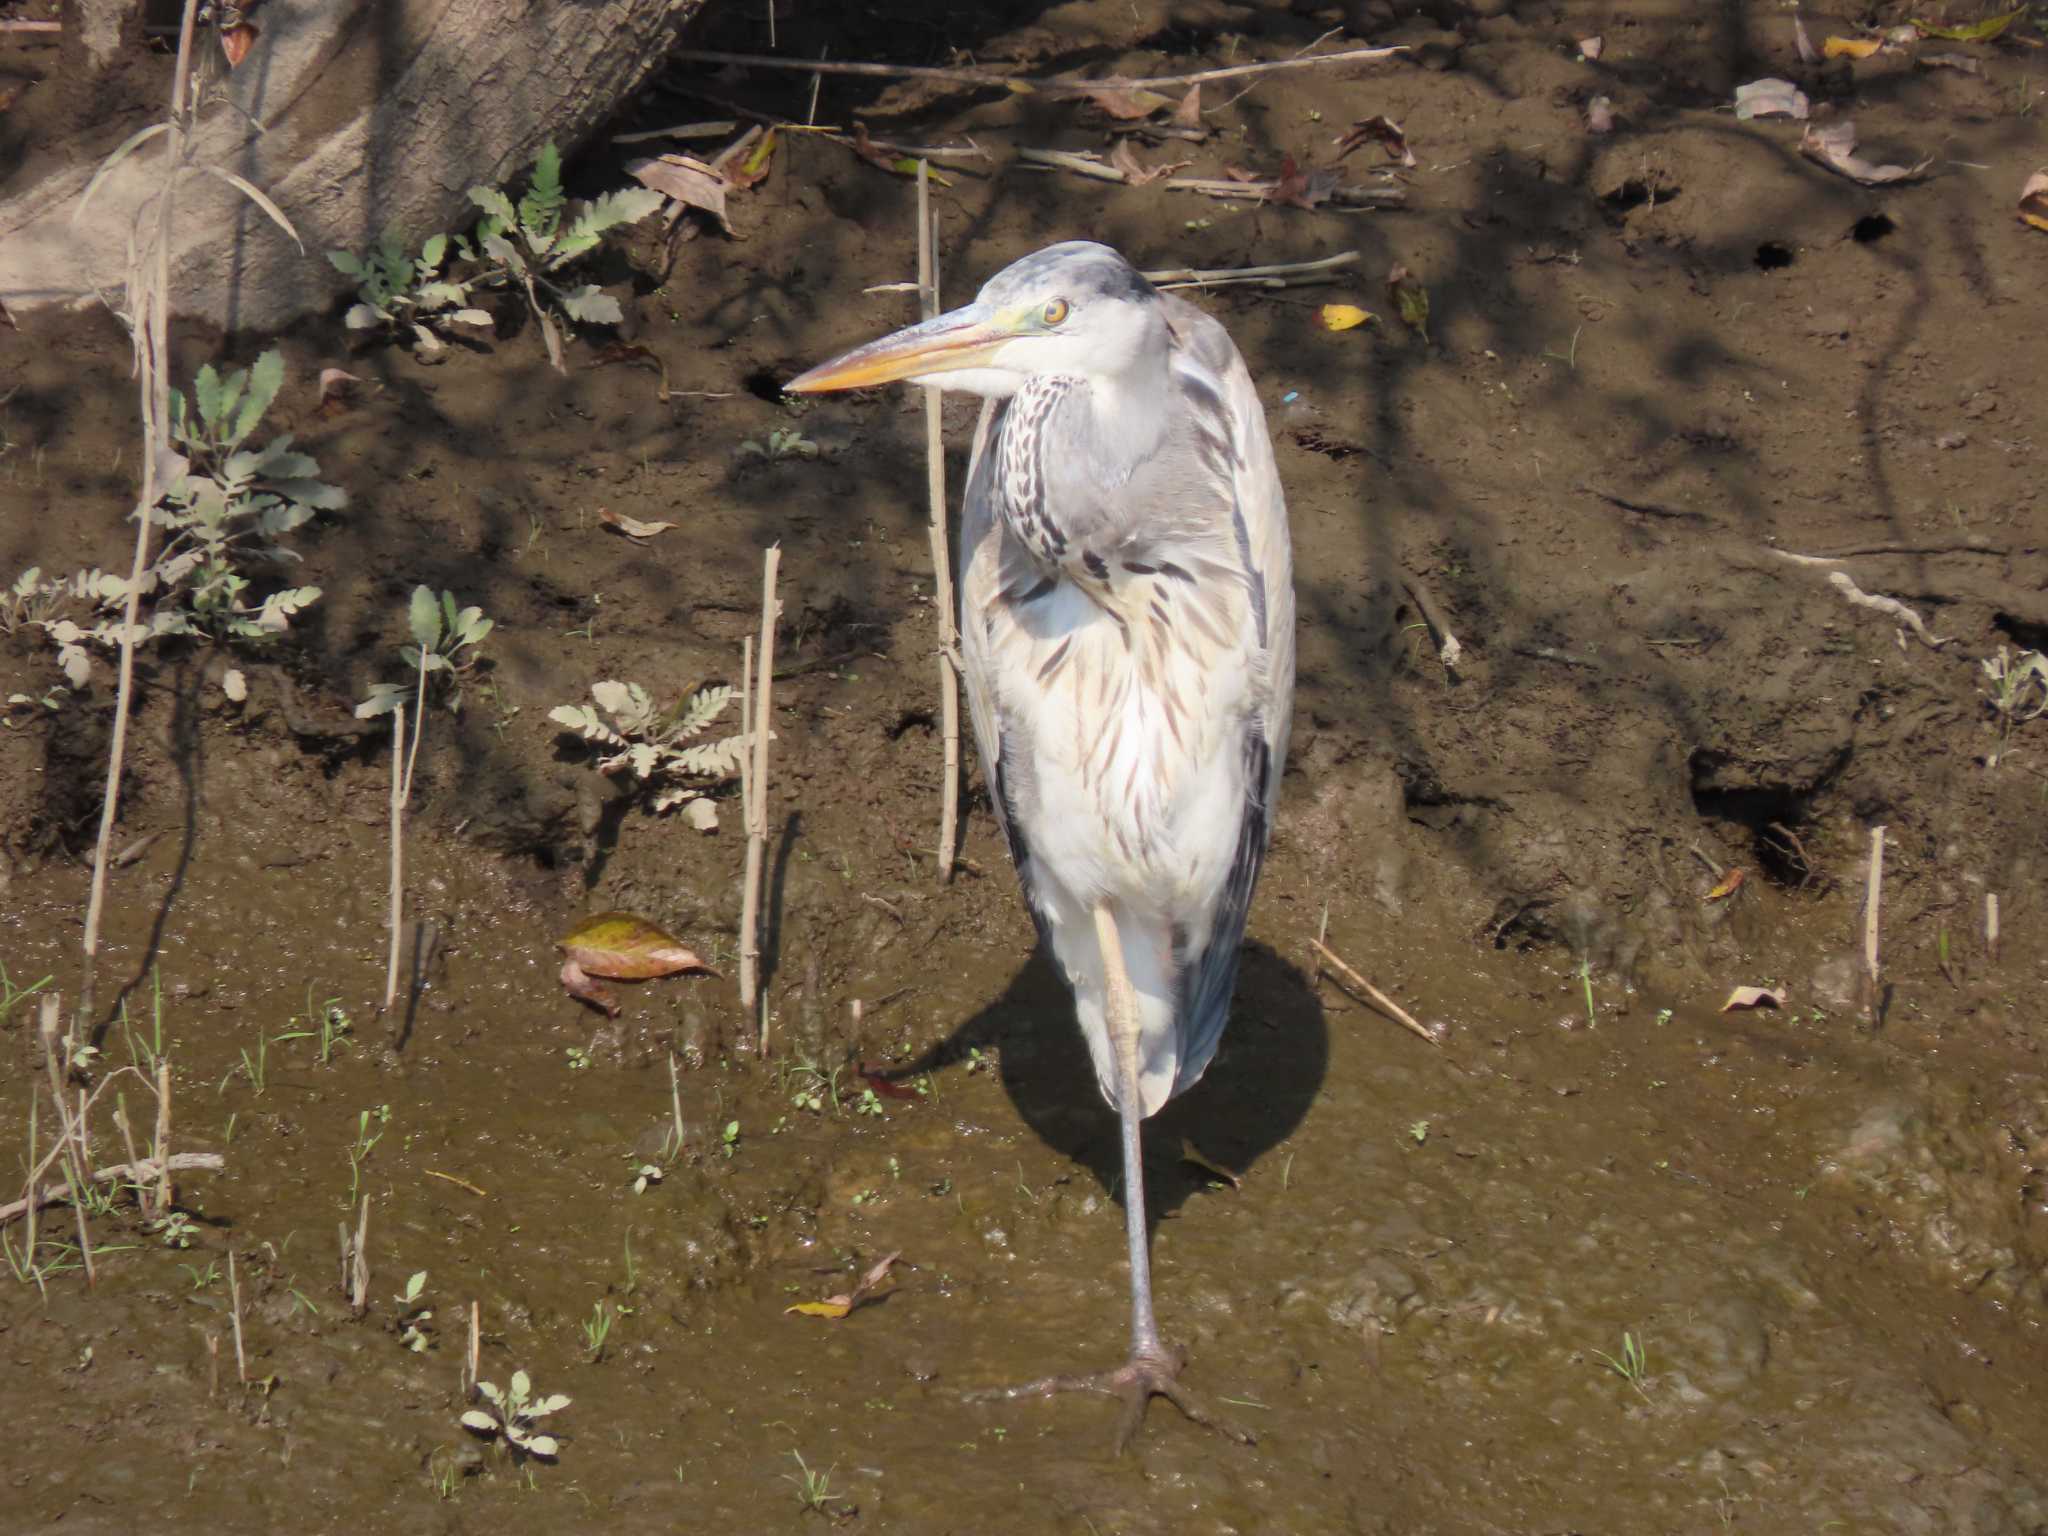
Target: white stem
[{"x": 942, "y": 563}]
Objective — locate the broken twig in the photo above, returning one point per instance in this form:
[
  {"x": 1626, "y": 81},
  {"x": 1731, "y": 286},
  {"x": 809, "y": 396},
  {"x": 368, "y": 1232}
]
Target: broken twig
[
  {"x": 1288, "y": 274},
  {"x": 1872, "y": 900},
  {"x": 1379, "y": 999},
  {"x": 942, "y": 565}
]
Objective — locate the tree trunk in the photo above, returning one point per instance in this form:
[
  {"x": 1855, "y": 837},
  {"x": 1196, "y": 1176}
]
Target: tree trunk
[{"x": 376, "y": 115}]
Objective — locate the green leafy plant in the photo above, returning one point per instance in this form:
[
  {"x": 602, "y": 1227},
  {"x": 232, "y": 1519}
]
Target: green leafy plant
[
  {"x": 445, "y": 648},
  {"x": 400, "y": 293},
  {"x": 225, "y": 510},
  {"x": 413, "y": 1317},
  {"x": 529, "y": 244},
  {"x": 782, "y": 443},
  {"x": 514, "y": 1416},
  {"x": 2019, "y": 692},
  {"x": 652, "y": 745},
  {"x": 813, "y": 1489},
  {"x": 1633, "y": 1366},
  {"x": 597, "y": 1328}
]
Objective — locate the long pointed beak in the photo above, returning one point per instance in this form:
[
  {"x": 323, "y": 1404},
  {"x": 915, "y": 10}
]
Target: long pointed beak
[{"x": 962, "y": 338}]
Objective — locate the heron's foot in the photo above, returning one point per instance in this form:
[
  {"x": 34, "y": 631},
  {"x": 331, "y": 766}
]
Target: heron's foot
[{"x": 1137, "y": 1381}]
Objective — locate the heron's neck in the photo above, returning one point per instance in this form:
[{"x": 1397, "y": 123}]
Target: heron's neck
[{"x": 1121, "y": 418}]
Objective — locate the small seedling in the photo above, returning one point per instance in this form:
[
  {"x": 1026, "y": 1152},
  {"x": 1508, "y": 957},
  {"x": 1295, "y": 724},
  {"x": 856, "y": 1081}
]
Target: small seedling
[
  {"x": 514, "y": 1415},
  {"x": 644, "y": 1175},
  {"x": 579, "y": 1057},
  {"x": 729, "y": 1139},
  {"x": 636, "y": 737},
  {"x": 597, "y": 1328},
  {"x": 1663, "y": 1016},
  {"x": 2019, "y": 692},
  {"x": 782, "y": 443},
  {"x": 400, "y": 293},
  {"x": 869, "y": 1103},
  {"x": 1634, "y": 1365},
  {"x": 1586, "y": 977},
  {"x": 1419, "y": 1132},
  {"x": 528, "y": 245},
  {"x": 175, "y": 1229},
  {"x": 813, "y": 1489},
  {"x": 413, "y": 1318}
]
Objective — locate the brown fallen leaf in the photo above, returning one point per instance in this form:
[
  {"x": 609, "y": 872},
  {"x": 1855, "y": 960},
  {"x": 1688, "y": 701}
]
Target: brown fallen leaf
[
  {"x": 745, "y": 163},
  {"x": 1411, "y": 299},
  {"x": 1590, "y": 48},
  {"x": 1770, "y": 98},
  {"x": 634, "y": 352},
  {"x": 1190, "y": 1153},
  {"x": 686, "y": 181},
  {"x": 2034, "y": 201},
  {"x": 623, "y": 947},
  {"x": 579, "y": 984},
  {"x": 1383, "y": 131},
  {"x": 631, "y": 527},
  {"x": 840, "y": 1306},
  {"x": 1600, "y": 115},
  {"x": 1960, "y": 62},
  {"x": 1297, "y": 188},
  {"x": 1729, "y": 884},
  {"x": 1125, "y": 103},
  {"x": 236, "y": 42},
  {"x": 1851, "y": 47},
  {"x": 1125, "y": 159},
  {"x": 1753, "y": 997},
  {"x": 868, "y": 150},
  {"x": 1835, "y": 147},
  {"x": 1188, "y": 115}
]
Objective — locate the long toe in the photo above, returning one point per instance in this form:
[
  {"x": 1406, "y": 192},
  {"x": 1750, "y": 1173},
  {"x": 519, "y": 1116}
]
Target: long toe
[{"x": 1137, "y": 1381}]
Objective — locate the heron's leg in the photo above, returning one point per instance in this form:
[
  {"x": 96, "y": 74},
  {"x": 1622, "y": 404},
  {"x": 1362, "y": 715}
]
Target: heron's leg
[{"x": 1153, "y": 1369}]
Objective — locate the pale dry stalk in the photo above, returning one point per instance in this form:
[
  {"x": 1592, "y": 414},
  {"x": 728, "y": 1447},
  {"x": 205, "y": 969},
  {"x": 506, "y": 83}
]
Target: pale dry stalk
[
  {"x": 398, "y": 789},
  {"x": 757, "y": 793},
  {"x": 235, "y": 1311},
  {"x": 1380, "y": 1000},
  {"x": 149, "y": 285},
  {"x": 942, "y": 563},
  {"x": 1991, "y": 924},
  {"x": 72, "y": 1156},
  {"x": 164, "y": 1161},
  {"x": 1872, "y": 902}
]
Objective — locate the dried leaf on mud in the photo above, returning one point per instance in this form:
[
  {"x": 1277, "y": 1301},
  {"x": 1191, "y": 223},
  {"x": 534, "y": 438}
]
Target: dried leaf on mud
[
  {"x": 1125, "y": 159},
  {"x": 1753, "y": 997},
  {"x": 1835, "y": 147},
  {"x": 1590, "y": 48},
  {"x": 1383, "y": 131},
  {"x": 1972, "y": 32},
  {"x": 2034, "y": 201},
  {"x": 1188, "y": 115},
  {"x": 1301, "y": 189},
  {"x": 235, "y": 43},
  {"x": 1342, "y": 317},
  {"x": 1729, "y": 884},
  {"x": 579, "y": 984},
  {"x": 1125, "y": 103},
  {"x": 686, "y": 180},
  {"x": 840, "y": 1306},
  {"x": 885, "y": 1086},
  {"x": 1190, "y": 1153},
  {"x": 631, "y": 527},
  {"x": 1851, "y": 47},
  {"x": 1411, "y": 299},
  {"x": 623, "y": 947},
  {"x": 1600, "y": 115},
  {"x": 1770, "y": 98}
]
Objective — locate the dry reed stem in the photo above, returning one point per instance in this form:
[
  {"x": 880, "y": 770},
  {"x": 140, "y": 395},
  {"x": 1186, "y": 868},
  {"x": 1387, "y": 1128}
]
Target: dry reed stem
[
  {"x": 476, "y": 1346},
  {"x": 757, "y": 791},
  {"x": 164, "y": 1161},
  {"x": 1020, "y": 86},
  {"x": 1872, "y": 901},
  {"x": 359, "y": 1254},
  {"x": 235, "y": 1311},
  {"x": 144, "y": 1198},
  {"x": 1991, "y": 924},
  {"x": 398, "y": 788},
  {"x": 675, "y": 1100},
  {"x": 1380, "y": 1000},
  {"x": 56, "y": 1194},
  {"x": 70, "y": 1152},
  {"x": 149, "y": 300},
  {"x": 942, "y": 563}
]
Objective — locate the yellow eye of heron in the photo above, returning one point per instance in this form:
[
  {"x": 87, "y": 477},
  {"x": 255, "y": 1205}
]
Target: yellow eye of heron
[{"x": 1054, "y": 312}]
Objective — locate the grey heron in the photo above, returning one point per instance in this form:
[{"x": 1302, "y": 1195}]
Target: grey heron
[{"x": 1127, "y": 639}]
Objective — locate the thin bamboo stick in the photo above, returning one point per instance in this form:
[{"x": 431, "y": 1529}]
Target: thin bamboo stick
[
  {"x": 1872, "y": 901},
  {"x": 757, "y": 791},
  {"x": 942, "y": 563},
  {"x": 398, "y": 788}
]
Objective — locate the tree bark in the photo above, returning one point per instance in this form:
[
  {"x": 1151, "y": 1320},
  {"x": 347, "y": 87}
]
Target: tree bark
[{"x": 375, "y": 114}]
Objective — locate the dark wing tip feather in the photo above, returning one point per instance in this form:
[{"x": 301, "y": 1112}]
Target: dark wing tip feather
[{"x": 1211, "y": 976}]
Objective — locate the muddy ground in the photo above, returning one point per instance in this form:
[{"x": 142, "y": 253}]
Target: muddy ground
[{"x": 1655, "y": 360}]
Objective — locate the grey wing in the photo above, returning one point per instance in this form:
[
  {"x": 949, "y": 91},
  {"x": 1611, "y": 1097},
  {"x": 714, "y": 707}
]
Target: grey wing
[
  {"x": 979, "y": 573},
  {"x": 1210, "y": 960}
]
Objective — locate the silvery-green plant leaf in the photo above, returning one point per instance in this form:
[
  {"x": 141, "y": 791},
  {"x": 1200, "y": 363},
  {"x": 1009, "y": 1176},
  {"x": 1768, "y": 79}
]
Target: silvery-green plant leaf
[
  {"x": 439, "y": 295},
  {"x": 495, "y": 204},
  {"x": 480, "y": 1421},
  {"x": 313, "y": 493},
  {"x": 714, "y": 757},
  {"x": 703, "y": 813},
  {"x": 266, "y": 377},
  {"x": 544, "y": 1446},
  {"x": 644, "y": 757},
  {"x": 575, "y": 717},
  {"x": 76, "y": 663},
  {"x": 589, "y": 305},
  {"x": 206, "y": 393},
  {"x": 551, "y": 335},
  {"x": 256, "y": 195},
  {"x": 522, "y": 1384},
  {"x": 704, "y": 707},
  {"x": 612, "y": 695},
  {"x": 361, "y": 317},
  {"x": 234, "y": 685},
  {"x": 490, "y": 1392},
  {"x": 432, "y": 251},
  {"x": 384, "y": 698},
  {"x": 347, "y": 264},
  {"x": 472, "y": 317},
  {"x": 424, "y": 618},
  {"x": 547, "y": 1405}
]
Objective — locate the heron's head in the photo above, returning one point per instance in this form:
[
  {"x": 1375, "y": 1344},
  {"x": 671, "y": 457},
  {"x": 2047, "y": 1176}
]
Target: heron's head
[{"x": 1075, "y": 309}]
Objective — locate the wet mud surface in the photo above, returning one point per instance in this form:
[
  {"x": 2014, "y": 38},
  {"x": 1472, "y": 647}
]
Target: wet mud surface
[{"x": 1654, "y": 360}]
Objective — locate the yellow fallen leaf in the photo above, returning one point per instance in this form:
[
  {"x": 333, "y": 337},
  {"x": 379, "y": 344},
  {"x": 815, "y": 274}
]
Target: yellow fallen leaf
[
  {"x": 836, "y": 1307},
  {"x": 1851, "y": 47},
  {"x": 1730, "y": 884},
  {"x": 1342, "y": 317},
  {"x": 623, "y": 947},
  {"x": 1974, "y": 32}
]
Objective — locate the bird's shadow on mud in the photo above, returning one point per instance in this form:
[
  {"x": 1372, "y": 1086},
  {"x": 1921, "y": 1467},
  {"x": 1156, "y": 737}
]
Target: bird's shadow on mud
[{"x": 1256, "y": 1092}]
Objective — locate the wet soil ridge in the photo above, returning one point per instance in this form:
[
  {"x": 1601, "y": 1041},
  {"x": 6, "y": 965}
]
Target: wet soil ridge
[{"x": 1643, "y": 1263}]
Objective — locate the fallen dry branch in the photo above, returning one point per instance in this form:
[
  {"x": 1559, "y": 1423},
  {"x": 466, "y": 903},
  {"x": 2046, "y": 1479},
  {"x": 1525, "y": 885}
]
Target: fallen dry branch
[
  {"x": 754, "y": 790},
  {"x": 1058, "y": 85},
  {"x": 1288, "y": 274},
  {"x": 1379, "y": 999},
  {"x": 134, "y": 1173},
  {"x": 942, "y": 565},
  {"x": 1876, "y": 602}
]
